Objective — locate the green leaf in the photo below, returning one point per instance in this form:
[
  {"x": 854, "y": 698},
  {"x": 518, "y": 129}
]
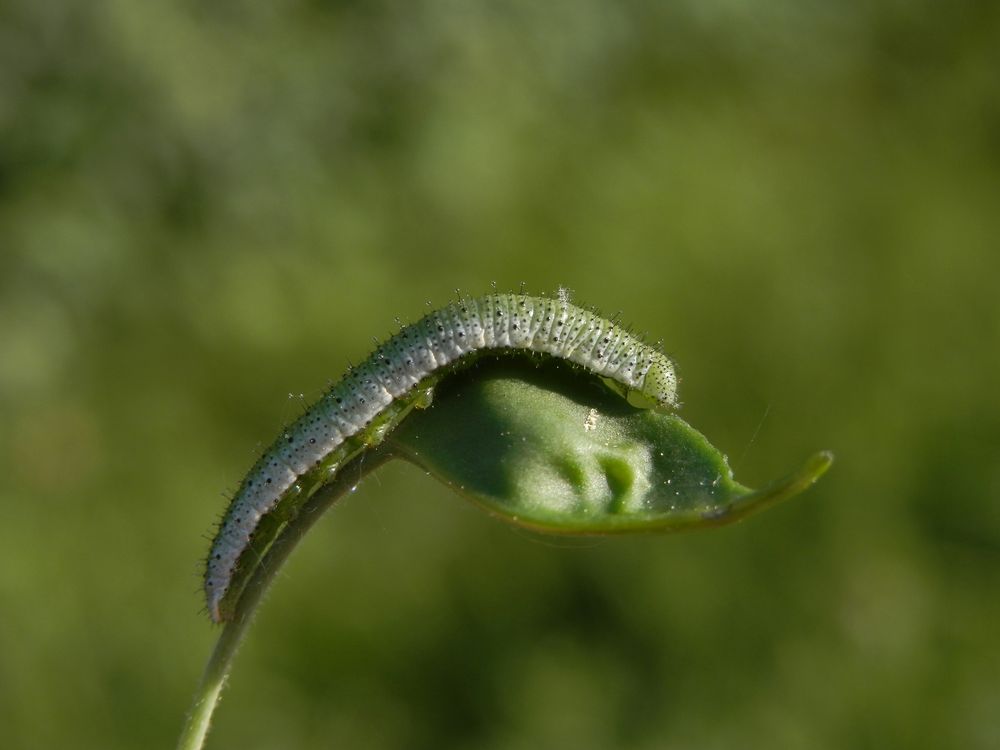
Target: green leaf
[{"x": 550, "y": 449}]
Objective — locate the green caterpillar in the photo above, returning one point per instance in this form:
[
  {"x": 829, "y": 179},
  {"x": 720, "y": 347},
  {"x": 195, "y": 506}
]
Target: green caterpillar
[{"x": 371, "y": 399}]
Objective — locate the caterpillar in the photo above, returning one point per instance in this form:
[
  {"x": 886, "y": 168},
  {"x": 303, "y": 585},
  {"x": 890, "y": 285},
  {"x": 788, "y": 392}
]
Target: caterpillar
[{"x": 400, "y": 374}]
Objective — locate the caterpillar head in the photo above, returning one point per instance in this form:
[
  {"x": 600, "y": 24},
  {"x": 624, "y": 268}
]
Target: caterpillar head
[{"x": 660, "y": 383}]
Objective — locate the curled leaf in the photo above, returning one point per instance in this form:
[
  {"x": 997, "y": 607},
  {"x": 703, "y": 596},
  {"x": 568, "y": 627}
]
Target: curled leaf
[{"x": 547, "y": 449}]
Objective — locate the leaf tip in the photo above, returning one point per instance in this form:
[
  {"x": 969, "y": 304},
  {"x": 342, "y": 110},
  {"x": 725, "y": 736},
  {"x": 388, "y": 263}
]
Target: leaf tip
[{"x": 778, "y": 491}]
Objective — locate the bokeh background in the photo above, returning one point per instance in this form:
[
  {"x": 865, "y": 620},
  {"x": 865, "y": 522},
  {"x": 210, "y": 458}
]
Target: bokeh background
[{"x": 207, "y": 209}]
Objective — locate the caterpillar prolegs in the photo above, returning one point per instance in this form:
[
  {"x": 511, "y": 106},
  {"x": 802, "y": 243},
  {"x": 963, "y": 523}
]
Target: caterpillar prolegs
[{"x": 373, "y": 397}]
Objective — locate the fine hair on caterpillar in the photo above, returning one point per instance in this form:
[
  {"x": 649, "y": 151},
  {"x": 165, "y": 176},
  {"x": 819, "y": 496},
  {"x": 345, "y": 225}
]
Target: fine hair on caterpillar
[{"x": 374, "y": 396}]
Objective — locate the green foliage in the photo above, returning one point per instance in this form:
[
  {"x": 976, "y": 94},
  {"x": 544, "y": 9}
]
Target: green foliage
[{"x": 204, "y": 207}]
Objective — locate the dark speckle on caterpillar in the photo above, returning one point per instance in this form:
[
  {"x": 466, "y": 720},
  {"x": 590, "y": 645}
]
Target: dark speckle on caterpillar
[{"x": 372, "y": 398}]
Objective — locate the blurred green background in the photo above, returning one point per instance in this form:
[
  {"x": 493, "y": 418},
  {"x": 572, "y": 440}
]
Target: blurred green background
[{"x": 207, "y": 209}]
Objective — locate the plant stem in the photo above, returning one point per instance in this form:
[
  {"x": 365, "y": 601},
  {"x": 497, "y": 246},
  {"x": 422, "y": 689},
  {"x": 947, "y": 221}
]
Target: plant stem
[{"x": 207, "y": 695}]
